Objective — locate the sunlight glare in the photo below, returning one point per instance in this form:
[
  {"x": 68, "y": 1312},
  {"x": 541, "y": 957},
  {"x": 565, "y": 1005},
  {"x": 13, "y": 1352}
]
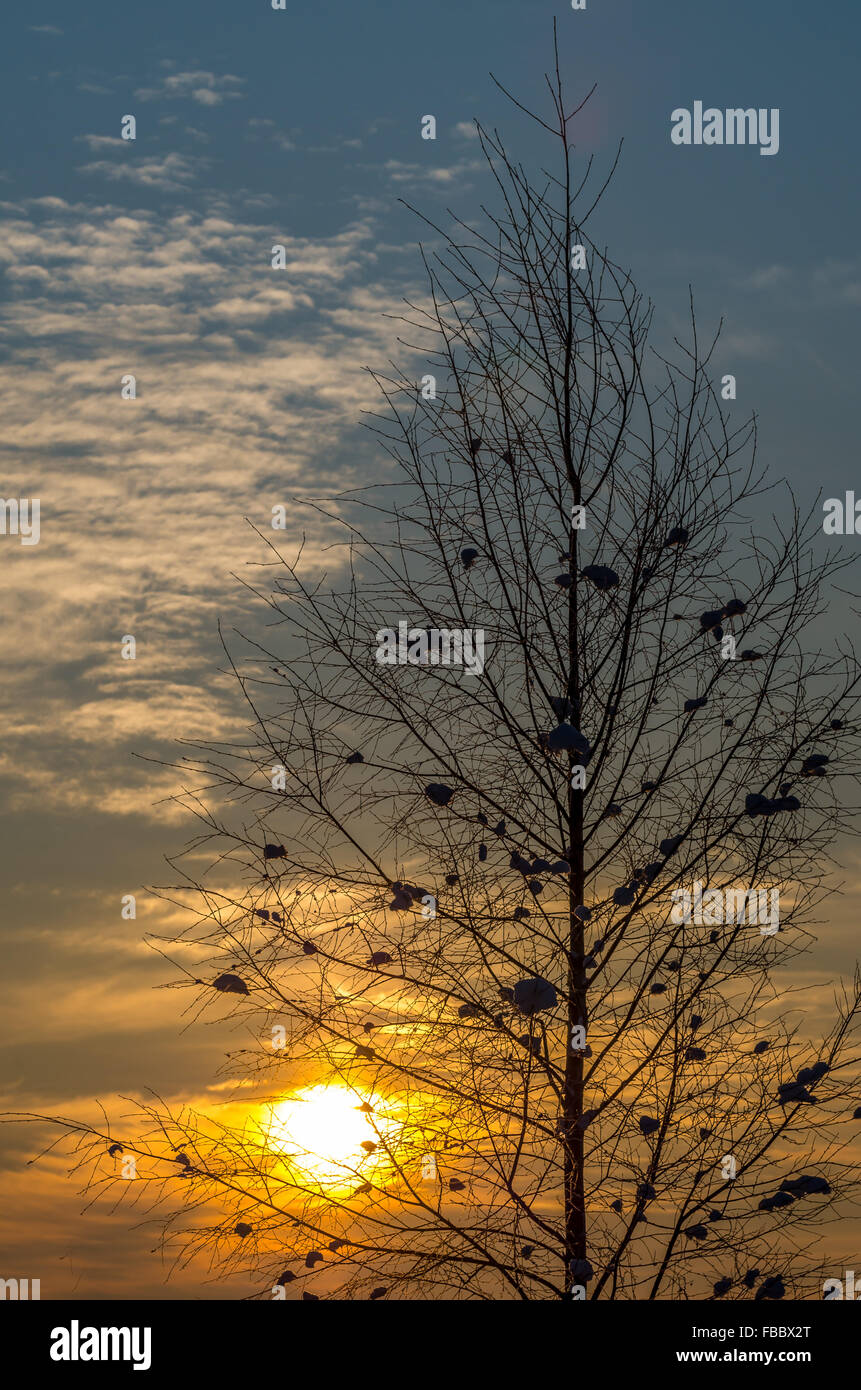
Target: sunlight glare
[{"x": 320, "y": 1131}]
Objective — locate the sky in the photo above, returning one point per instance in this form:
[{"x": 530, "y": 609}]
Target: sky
[{"x": 302, "y": 127}]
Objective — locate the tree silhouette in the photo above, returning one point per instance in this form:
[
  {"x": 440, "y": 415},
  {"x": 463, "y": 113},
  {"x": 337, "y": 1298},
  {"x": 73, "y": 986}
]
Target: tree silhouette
[{"x": 457, "y": 893}]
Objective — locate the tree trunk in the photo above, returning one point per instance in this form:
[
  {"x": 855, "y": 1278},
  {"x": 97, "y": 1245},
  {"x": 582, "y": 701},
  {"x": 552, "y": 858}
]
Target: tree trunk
[{"x": 572, "y": 1102}]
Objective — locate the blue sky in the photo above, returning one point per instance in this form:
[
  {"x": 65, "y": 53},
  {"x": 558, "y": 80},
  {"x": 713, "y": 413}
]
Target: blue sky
[
  {"x": 302, "y": 127},
  {"x": 343, "y": 85}
]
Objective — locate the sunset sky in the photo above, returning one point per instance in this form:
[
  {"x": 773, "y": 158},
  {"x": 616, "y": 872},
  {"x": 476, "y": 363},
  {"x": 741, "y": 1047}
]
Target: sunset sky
[{"x": 301, "y": 127}]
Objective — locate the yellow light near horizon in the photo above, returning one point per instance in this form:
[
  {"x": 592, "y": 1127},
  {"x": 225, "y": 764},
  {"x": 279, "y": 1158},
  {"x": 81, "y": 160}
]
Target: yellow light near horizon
[{"x": 320, "y": 1131}]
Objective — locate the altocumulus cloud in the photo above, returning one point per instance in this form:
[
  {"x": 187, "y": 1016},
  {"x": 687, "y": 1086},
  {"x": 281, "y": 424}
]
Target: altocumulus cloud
[
  {"x": 206, "y": 88},
  {"x": 170, "y": 172},
  {"x": 250, "y": 383}
]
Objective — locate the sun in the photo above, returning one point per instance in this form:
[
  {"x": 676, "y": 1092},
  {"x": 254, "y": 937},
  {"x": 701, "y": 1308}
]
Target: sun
[{"x": 321, "y": 1129}]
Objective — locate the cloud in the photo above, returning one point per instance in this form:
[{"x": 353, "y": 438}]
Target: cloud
[
  {"x": 400, "y": 172},
  {"x": 171, "y": 172},
  {"x": 265, "y": 129},
  {"x": 465, "y": 130},
  {"x": 747, "y": 343},
  {"x": 768, "y": 277},
  {"x": 250, "y": 385},
  {"x": 45, "y": 29},
  {"x": 829, "y": 284},
  {"x": 837, "y": 283},
  {"x": 206, "y": 88},
  {"x": 102, "y": 142}
]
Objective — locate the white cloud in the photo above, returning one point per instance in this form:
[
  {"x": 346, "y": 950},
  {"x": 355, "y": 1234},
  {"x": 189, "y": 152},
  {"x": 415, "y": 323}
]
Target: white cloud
[
  {"x": 837, "y": 283},
  {"x": 206, "y": 88},
  {"x": 101, "y": 142},
  {"x": 265, "y": 129},
  {"x": 749, "y": 343},
  {"x": 250, "y": 387},
  {"x": 767, "y": 277},
  {"x": 401, "y": 172},
  {"x": 172, "y": 172}
]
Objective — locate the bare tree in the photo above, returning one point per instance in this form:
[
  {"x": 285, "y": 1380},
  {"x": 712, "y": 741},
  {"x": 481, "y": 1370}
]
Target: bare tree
[{"x": 458, "y": 889}]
